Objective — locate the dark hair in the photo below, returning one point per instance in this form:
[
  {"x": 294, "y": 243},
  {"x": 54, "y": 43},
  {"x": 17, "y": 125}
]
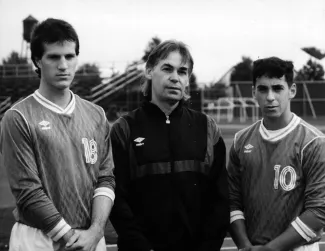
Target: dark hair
[
  {"x": 51, "y": 31},
  {"x": 273, "y": 67},
  {"x": 161, "y": 52}
]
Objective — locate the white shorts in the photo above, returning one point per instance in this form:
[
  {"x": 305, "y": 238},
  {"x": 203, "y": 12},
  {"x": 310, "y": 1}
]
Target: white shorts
[
  {"x": 25, "y": 238},
  {"x": 311, "y": 247}
]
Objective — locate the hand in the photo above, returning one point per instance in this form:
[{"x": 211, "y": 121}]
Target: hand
[
  {"x": 69, "y": 236},
  {"x": 86, "y": 240},
  {"x": 317, "y": 238}
]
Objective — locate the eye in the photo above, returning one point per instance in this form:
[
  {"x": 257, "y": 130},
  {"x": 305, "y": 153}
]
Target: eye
[
  {"x": 53, "y": 57},
  {"x": 182, "y": 72},
  {"x": 278, "y": 88},
  {"x": 262, "y": 89},
  {"x": 70, "y": 56},
  {"x": 167, "y": 69}
]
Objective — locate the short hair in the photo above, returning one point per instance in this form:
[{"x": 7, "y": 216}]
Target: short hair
[
  {"x": 51, "y": 31},
  {"x": 160, "y": 52},
  {"x": 273, "y": 67}
]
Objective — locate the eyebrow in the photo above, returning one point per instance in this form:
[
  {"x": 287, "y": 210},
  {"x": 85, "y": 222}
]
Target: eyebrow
[
  {"x": 266, "y": 87},
  {"x": 170, "y": 66}
]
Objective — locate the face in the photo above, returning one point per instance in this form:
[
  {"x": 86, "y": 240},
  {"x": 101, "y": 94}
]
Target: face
[
  {"x": 273, "y": 96},
  {"x": 58, "y": 64},
  {"x": 169, "y": 79}
]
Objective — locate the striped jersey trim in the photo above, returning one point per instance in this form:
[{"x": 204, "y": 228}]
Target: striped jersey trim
[
  {"x": 276, "y": 135},
  {"x": 104, "y": 191},
  {"x": 236, "y": 215},
  {"x": 302, "y": 151},
  {"x": 53, "y": 107},
  {"x": 59, "y": 230},
  {"x": 25, "y": 120},
  {"x": 303, "y": 229}
]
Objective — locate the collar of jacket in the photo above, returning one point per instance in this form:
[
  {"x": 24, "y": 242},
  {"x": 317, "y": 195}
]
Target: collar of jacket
[{"x": 155, "y": 110}]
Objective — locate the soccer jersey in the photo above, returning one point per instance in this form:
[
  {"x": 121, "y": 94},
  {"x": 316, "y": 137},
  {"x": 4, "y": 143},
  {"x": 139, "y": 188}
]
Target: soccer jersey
[
  {"x": 275, "y": 176},
  {"x": 57, "y": 161}
]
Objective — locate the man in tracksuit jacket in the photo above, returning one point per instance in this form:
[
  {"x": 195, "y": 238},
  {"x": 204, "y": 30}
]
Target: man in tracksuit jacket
[{"x": 171, "y": 180}]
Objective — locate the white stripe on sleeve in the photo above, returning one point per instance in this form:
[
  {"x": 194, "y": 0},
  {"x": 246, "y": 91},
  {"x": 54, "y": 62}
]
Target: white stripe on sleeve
[
  {"x": 105, "y": 191},
  {"x": 236, "y": 215}
]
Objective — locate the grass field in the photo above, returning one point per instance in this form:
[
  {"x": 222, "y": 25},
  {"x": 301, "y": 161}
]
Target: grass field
[{"x": 7, "y": 201}]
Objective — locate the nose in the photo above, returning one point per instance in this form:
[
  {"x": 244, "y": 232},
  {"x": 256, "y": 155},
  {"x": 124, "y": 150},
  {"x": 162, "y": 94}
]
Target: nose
[
  {"x": 63, "y": 64},
  {"x": 270, "y": 96},
  {"x": 174, "y": 78}
]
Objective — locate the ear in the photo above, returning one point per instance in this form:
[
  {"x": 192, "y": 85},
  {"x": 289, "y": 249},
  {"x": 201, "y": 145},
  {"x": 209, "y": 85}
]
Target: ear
[
  {"x": 292, "y": 91},
  {"x": 148, "y": 73},
  {"x": 38, "y": 62},
  {"x": 253, "y": 92}
]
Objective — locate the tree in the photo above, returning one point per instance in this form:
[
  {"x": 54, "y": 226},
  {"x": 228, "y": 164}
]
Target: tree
[
  {"x": 14, "y": 65},
  {"x": 314, "y": 52},
  {"x": 243, "y": 71},
  {"x": 87, "y": 68},
  {"x": 311, "y": 71},
  {"x": 151, "y": 45},
  {"x": 14, "y": 59}
]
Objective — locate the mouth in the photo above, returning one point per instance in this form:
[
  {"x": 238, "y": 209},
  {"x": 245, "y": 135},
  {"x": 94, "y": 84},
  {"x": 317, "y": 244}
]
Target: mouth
[
  {"x": 63, "y": 76},
  {"x": 270, "y": 107},
  {"x": 174, "y": 88}
]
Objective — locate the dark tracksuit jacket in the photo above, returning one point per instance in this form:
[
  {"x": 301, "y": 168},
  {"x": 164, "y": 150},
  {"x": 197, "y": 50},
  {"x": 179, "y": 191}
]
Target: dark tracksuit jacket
[{"x": 171, "y": 181}]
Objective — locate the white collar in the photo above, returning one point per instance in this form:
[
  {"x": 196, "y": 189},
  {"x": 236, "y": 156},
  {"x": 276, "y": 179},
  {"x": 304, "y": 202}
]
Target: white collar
[
  {"x": 53, "y": 107},
  {"x": 281, "y": 133}
]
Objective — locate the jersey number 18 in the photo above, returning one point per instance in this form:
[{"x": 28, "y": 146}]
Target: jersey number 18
[{"x": 90, "y": 150}]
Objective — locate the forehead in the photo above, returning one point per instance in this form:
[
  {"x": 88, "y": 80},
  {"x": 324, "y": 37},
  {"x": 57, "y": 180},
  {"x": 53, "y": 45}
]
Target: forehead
[
  {"x": 266, "y": 81},
  {"x": 174, "y": 59},
  {"x": 60, "y": 47}
]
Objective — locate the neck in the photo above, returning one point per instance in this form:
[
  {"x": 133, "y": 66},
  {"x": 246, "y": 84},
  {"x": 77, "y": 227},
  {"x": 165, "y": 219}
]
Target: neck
[
  {"x": 277, "y": 123},
  {"x": 166, "y": 107},
  {"x": 59, "y": 97}
]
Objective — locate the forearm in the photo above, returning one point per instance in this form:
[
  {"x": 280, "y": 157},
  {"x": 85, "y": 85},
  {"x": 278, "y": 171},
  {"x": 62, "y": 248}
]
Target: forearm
[
  {"x": 304, "y": 229},
  {"x": 37, "y": 210},
  {"x": 239, "y": 234},
  {"x": 288, "y": 240},
  {"x": 101, "y": 208}
]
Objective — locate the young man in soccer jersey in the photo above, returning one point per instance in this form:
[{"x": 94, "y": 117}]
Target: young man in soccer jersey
[
  {"x": 171, "y": 179},
  {"x": 56, "y": 151},
  {"x": 276, "y": 170}
]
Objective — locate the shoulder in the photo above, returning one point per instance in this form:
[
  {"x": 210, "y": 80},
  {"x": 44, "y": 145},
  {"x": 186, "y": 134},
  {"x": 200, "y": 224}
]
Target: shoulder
[
  {"x": 19, "y": 112},
  {"x": 310, "y": 136},
  {"x": 242, "y": 135},
  {"x": 90, "y": 108},
  {"x": 195, "y": 115}
]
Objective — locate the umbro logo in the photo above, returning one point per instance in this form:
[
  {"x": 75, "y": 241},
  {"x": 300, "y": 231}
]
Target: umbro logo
[
  {"x": 248, "y": 148},
  {"x": 139, "y": 142},
  {"x": 45, "y": 125}
]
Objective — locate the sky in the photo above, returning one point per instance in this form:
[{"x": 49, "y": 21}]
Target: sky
[{"x": 113, "y": 33}]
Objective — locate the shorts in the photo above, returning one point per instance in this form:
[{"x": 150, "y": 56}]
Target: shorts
[{"x": 25, "y": 238}]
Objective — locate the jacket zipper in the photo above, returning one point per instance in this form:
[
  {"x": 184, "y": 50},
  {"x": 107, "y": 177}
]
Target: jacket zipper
[{"x": 167, "y": 119}]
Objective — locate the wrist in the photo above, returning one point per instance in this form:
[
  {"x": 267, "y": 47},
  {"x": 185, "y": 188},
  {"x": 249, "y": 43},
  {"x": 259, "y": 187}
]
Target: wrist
[{"x": 97, "y": 230}]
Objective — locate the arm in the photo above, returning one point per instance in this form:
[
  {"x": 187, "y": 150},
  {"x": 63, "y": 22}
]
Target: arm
[
  {"x": 237, "y": 219},
  {"x": 26, "y": 185},
  {"x": 308, "y": 226},
  {"x": 216, "y": 221},
  {"x": 122, "y": 216},
  {"x": 102, "y": 202}
]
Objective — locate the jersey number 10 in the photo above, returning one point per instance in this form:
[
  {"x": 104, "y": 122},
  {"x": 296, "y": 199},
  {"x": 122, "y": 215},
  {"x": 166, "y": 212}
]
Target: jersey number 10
[
  {"x": 90, "y": 150},
  {"x": 280, "y": 178}
]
